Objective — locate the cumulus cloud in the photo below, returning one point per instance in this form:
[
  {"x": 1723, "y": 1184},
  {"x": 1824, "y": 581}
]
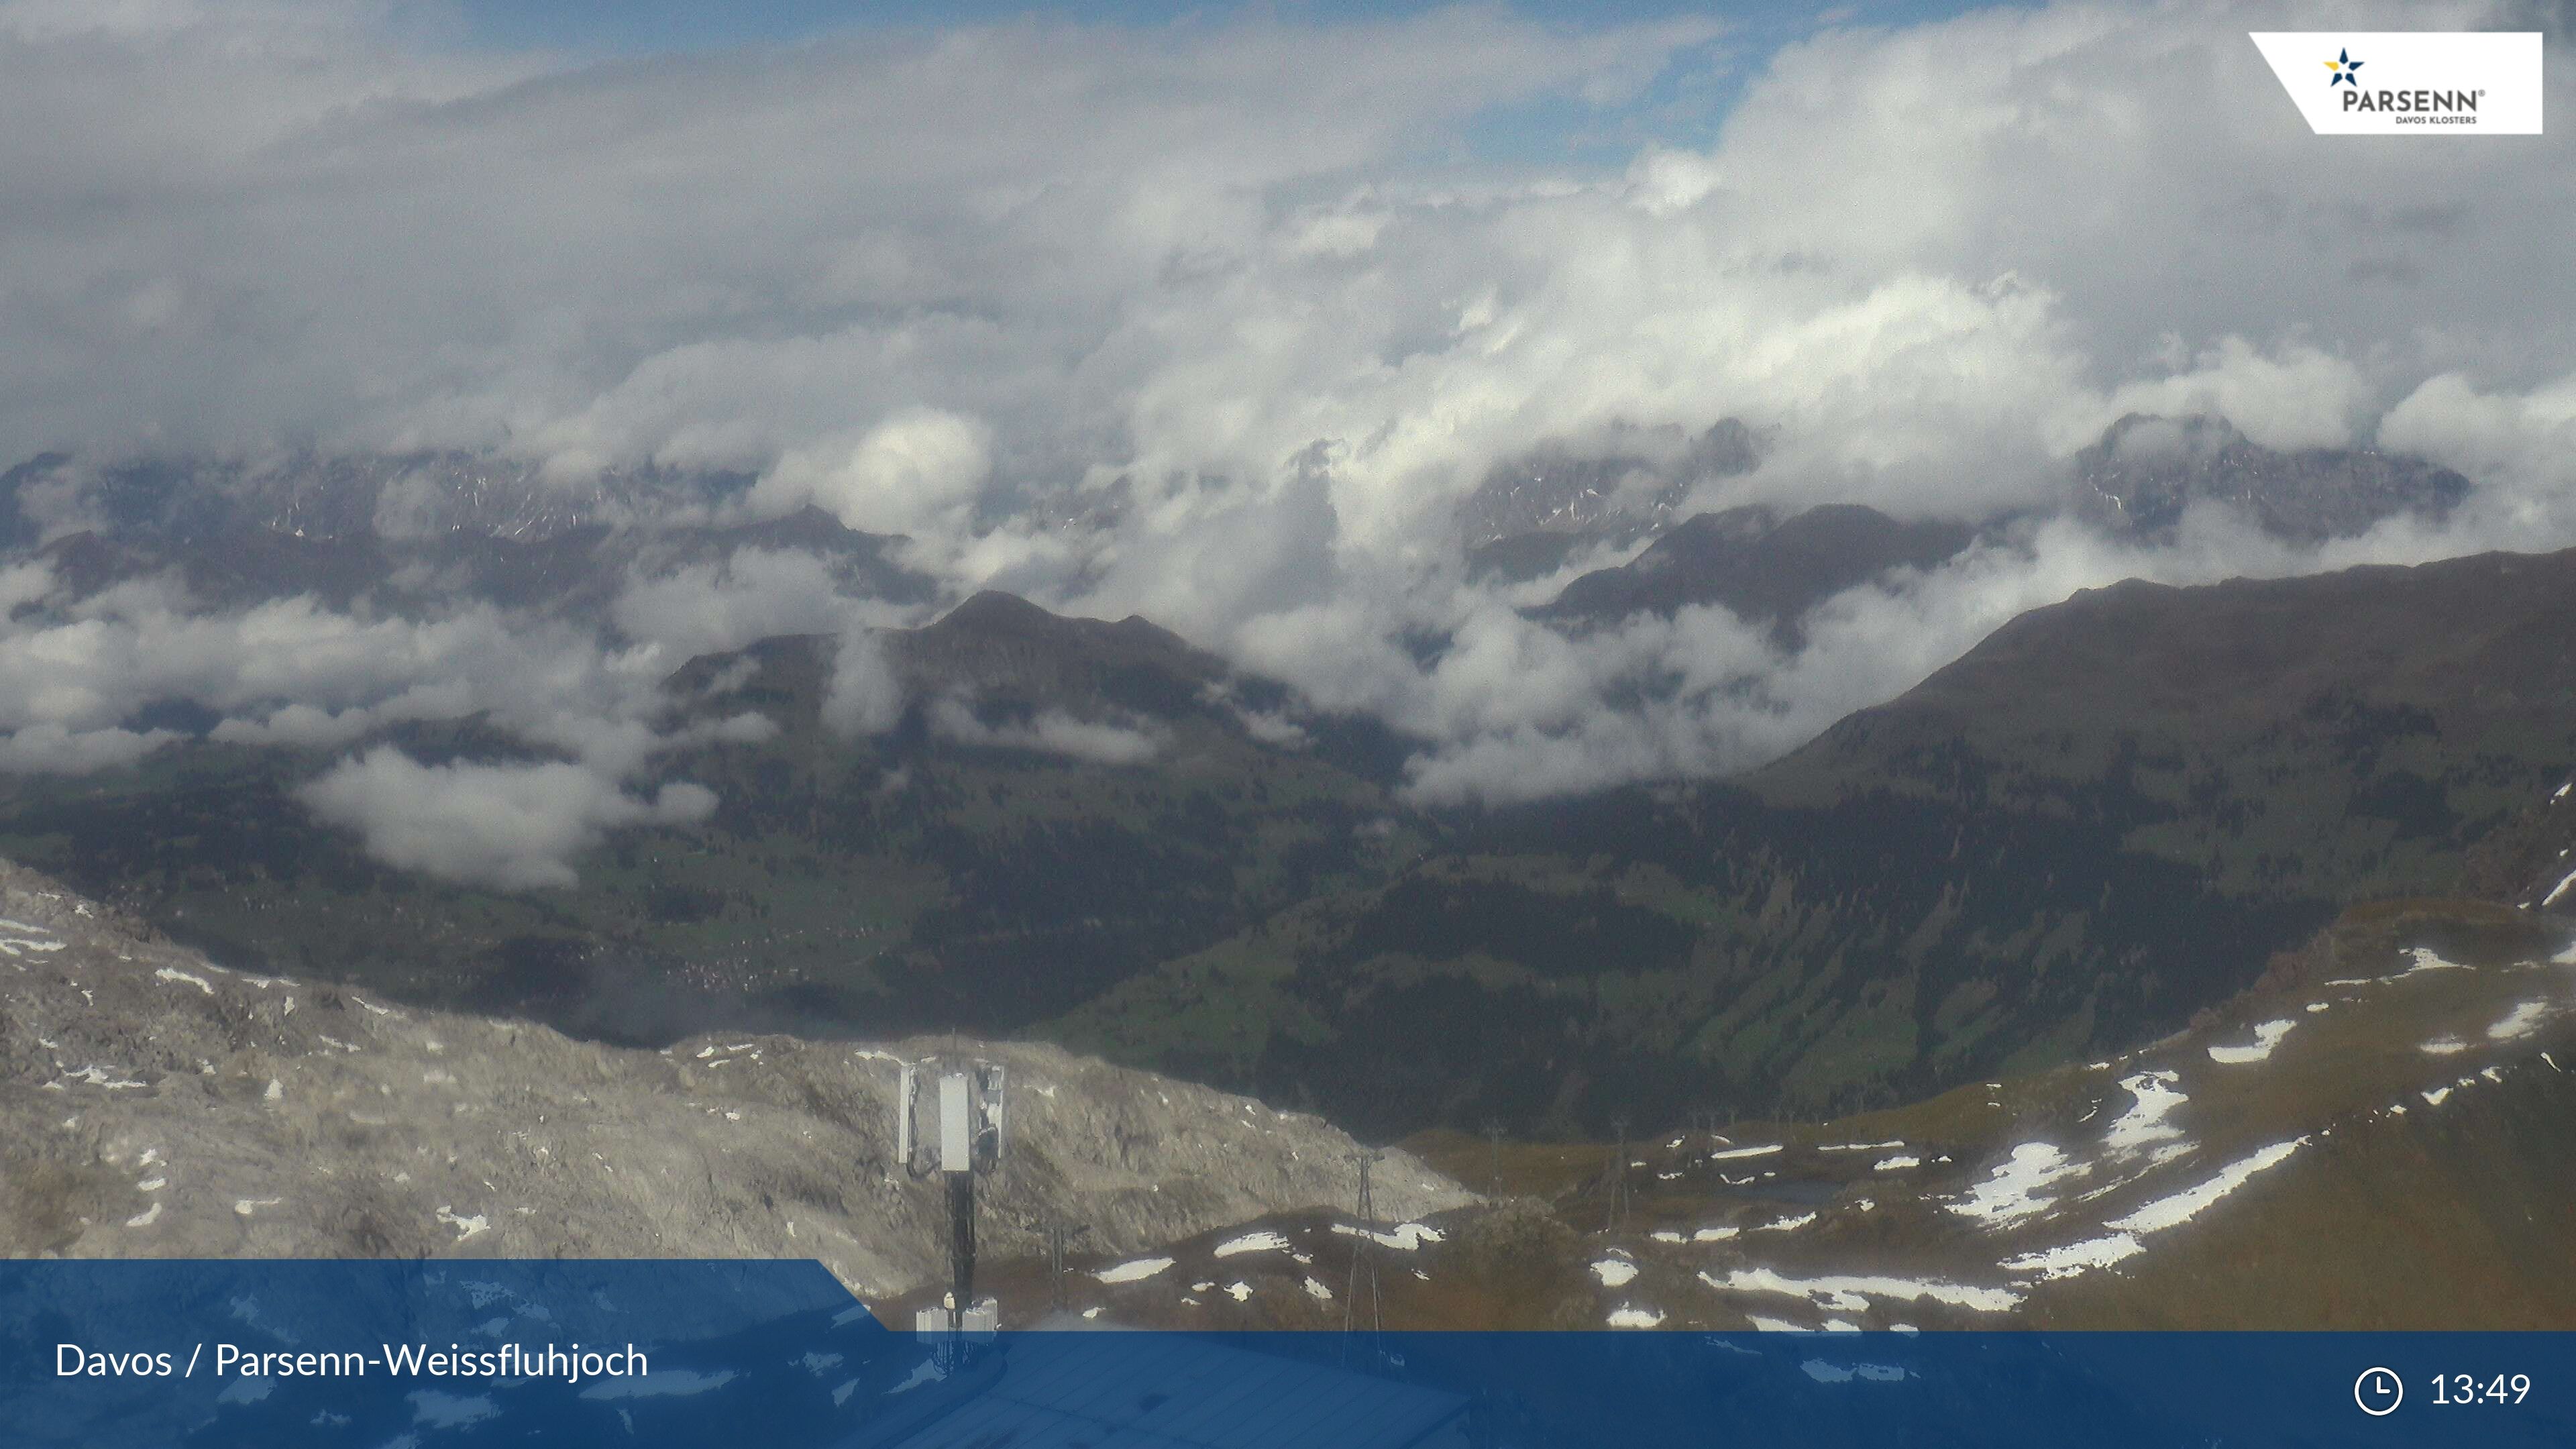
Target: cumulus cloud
[
  {"x": 305, "y": 726},
  {"x": 1050, "y": 732},
  {"x": 1212, "y": 323},
  {"x": 920, "y": 469},
  {"x": 294, "y": 669},
  {"x": 50, "y": 749},
  {"x": 753, "y": 594},
  {"x": 511, "y": 827},
  {"x": 864, "y": 696}
]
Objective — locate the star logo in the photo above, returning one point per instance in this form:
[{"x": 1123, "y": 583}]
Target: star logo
[{"x": 2346, "y": 70}]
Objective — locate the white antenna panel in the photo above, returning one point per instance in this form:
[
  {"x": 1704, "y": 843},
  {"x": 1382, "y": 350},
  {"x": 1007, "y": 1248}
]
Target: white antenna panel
[{"x": 956, "y": 1124}]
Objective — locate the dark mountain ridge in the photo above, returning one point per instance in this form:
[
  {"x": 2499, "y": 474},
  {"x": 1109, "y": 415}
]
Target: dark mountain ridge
[
  {"x": 1761, "y": 567},
  {"x": 1770, "y": 567}
]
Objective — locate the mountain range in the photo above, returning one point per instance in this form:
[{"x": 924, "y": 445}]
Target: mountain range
[{"x": 2103, "y": 819}]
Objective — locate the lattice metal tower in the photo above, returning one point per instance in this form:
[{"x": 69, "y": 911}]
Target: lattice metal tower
[
  {"x": 1615, "y": 1178},
  {"x": 1364, "y": 1253}
]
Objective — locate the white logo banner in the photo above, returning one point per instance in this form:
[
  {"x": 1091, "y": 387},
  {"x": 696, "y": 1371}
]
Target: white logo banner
[{"x": 2410, "y": 83}]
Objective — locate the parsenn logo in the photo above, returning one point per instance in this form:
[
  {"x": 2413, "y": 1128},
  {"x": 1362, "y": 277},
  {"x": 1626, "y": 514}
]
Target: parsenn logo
[{"x": 2423, "y": 83}]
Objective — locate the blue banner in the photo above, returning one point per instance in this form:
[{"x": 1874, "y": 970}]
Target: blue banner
[{"x": 450, "y": 1354}]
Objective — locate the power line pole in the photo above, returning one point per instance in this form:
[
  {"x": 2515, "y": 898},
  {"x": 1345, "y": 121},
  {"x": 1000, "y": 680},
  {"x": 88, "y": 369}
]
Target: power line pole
[
  {"x": 1060, "y": 1236},
  {"x": 1363, "y": 1253}
]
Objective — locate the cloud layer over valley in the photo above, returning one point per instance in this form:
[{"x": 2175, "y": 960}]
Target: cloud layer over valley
[{"x": 1221, "y": 323}]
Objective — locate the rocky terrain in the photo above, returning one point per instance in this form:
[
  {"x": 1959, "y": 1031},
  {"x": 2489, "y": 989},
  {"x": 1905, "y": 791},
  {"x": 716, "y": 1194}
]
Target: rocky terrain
[
  {"x": 2146, "y": 471},
  {"x": 1533, "y": 512},
  {"x": 153, "y": 1103}
]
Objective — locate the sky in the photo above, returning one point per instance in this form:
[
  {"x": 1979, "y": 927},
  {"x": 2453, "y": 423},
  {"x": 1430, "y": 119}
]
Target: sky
[
  {"x": 631, "y": 27},
  {"x": 1218, "y": 314}
]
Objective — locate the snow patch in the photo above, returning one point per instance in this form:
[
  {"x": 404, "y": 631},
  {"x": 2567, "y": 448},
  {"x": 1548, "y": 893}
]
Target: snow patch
[
  {"x": 173, "y": 975},
  {"x": 2425, "y": 959},
  {"x": 1846, "y": 1292},
  {"x": 1635, "y": 1317},
  {"x": 2524, "y": 1020},
  {"x": 1614, "y": 1272},
  {"x": 1406, "y": 1237},
  {"x": 2013, "y": 1190},
  {"x": 1261, "y": 1242},
  {"x": 2183, "y": 1206},
  {"x": 2266, "y": 1036},
  {"x": 2075, "y": 1258},
  {"x": 2145, "y": 1123},
  {"x": 465, "y": 1227},
  {"x": 1137, "y": 1271}
]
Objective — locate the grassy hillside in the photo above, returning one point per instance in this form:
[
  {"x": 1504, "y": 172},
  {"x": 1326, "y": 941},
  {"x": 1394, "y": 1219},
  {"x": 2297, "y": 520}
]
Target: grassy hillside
[
  {"x": 2376, "y": 1136},
  {"x": 2104, "y": 818}
]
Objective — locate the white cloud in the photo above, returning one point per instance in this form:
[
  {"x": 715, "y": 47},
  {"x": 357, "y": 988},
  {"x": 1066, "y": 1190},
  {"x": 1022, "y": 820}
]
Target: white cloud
[
  {"x": 49, "y": 749},
  {"x": 304, "y": 726},
  {"x": 511, "y": 827},
  {"x": 754, "y": 594},
  {"x": 1051, "y": 732},
  {"x": 2301, "y": 398},
  {"x": 864, "y": 697},
  {"x": 919, "y": 469},
  {"x": 1210, "y": 323}
]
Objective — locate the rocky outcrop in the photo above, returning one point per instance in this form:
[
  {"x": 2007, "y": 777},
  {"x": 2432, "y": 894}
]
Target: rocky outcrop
[{"x": 153, "y": 1103}]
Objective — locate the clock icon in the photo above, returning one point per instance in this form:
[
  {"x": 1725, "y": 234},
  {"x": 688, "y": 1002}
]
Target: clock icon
[{"x": 2378, "y": 1391}]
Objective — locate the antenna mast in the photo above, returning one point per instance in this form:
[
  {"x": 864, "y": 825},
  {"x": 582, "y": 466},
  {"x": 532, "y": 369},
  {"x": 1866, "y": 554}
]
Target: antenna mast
[{"x": 968, "y": 1098}]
